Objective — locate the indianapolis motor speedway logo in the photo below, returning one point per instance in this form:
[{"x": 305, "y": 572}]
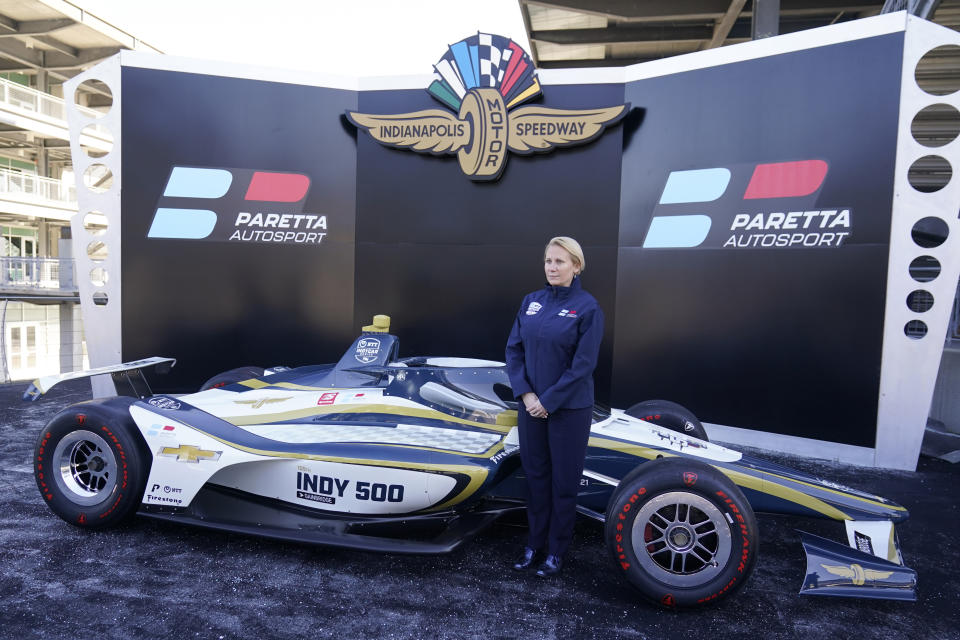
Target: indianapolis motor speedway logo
[{"x": 482, "y": 79}]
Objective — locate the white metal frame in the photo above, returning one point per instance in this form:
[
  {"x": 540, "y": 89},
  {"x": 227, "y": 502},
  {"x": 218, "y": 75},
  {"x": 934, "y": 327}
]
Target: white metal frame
[{"x": 101, "y": 322}]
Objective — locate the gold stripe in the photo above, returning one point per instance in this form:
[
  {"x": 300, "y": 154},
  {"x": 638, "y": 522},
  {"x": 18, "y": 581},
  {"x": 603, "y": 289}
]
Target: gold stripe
[
  {"x": 892, "y": 554},
  {"x": 254, "y": 383},
  {"x": 476, "y": 474},
  {"x": 738, "y": 477},
  {"x": 841, "y": 493},
  {"x": 386, "y": 409},
  {"x": 261, "y": 384},
  {"x": 303, "y": 387},
  {"x": 633, "y": 449},
  {"x": 534, "y": 88},
  {"x": 791, "y": 495}
]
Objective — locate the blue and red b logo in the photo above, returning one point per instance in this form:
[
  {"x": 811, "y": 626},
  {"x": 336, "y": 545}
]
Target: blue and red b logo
[
  {"x": 794, "y": 224},
  {"x": 229, "y": 201}
]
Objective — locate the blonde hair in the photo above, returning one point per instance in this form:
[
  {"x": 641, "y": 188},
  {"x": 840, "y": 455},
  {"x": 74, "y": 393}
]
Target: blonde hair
[{"x": 572, "y": 247}]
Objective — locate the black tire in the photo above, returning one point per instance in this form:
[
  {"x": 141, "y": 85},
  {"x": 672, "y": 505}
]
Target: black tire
[
  {"x": 91, "y": 465},
  {"x": 669, "y": 415},
  {"x": 649, "y": 534},
  {"x": 234, "y": 375}
]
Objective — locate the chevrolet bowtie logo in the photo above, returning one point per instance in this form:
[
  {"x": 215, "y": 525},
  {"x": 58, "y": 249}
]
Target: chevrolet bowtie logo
[
  {"x": 857, "y": 574},
  {"x": 256, "y": 404},
  {"x": 481, "y": 79},
  {"x": 189, "y": 453}
]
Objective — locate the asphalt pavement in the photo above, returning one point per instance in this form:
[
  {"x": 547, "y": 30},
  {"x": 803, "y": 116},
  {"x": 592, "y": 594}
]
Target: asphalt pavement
[{"x": 154, "y": 579}]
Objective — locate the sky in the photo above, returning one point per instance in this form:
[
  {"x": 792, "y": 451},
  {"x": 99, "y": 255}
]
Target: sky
[{"x": 343, "y": 37}]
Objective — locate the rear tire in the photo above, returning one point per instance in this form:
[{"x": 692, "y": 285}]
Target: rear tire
[
  {"x": 669, "y": 415},
  {"x": 682, "y": 533},
  {"x": 233, "y": 375},
  {"x": 91, "y": 465}
]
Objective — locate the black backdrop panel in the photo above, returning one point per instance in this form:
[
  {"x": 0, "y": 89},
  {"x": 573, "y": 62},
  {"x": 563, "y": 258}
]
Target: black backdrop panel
[
  {"x": 781, "y": 339},
  {"x": 218, "y": 305},
  {"x": 450, "y": 259}
]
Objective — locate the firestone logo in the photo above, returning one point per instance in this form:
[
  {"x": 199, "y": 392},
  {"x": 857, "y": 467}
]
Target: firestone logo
[{"x": 482, "y": 78}]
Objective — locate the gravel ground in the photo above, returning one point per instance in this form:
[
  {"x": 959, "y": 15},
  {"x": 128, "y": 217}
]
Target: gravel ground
[{"x": 157, "y": 580}]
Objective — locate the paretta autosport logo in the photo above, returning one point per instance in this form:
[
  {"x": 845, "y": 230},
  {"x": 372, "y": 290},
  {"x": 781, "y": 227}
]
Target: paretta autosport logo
[
  {"x": 482, "y": 79},
  {"x": 747, "y": 206},
  {"x": 236, "y": 205}
]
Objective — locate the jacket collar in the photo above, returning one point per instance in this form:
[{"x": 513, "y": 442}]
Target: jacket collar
[{"x": 562, "y": 293}]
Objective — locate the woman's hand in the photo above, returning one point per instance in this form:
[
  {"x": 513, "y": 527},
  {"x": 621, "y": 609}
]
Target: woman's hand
[{"x": 533, "y": 406}]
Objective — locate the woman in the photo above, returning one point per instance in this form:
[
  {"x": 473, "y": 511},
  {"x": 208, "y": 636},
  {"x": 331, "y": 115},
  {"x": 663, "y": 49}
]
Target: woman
[{"x": 551, "y": 354}]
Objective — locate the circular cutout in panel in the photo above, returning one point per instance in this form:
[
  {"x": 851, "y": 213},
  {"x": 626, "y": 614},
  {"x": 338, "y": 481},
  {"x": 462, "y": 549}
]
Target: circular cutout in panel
[
  {"x": 97, "y": 250},
  {"x": 95, "y": 223},
  {"x": 936, "y": 125},
  {"x": 936, "y": 71},
  {"x": 930, "y": 232},
  {"x": 98, "y": 178},
  {"x": 929, "y": 174},
  {"x": 93, "y": 97},
  {"x": 915, "y": 329},
  {"x": 919, "y": 301},
  {"x": 98, "y": 276},
  {"x": 924, "y": 268},
  {"x": 96, "y": 140},
  {"x": 100, "y": 298}
]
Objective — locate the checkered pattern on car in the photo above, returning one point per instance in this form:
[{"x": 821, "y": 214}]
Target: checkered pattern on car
[{"x": 403, "y": 434}]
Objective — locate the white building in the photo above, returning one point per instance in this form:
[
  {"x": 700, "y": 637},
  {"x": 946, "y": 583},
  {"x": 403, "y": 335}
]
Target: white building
[{"x": 42, "y": 44}]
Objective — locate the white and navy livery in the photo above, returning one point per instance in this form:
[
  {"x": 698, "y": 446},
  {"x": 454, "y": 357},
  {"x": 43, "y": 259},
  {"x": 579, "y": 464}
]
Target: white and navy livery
[{"x": 416, "y": 455}]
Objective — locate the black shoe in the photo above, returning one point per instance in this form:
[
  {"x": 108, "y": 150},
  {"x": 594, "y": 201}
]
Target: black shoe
[
  {"x": 550, "y": 567},
  {"x": 527, "y": 560}
]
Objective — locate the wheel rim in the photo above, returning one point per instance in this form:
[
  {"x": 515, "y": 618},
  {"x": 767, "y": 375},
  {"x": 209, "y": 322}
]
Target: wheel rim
[
  {"x": 86, "y": 468},
  {"x": 681, "y": 539}
]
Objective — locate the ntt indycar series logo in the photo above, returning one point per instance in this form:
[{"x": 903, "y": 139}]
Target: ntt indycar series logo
[
  {"x": 236, "y": 205},
  {"x": 772, "y": 206},
  {"x": 481, "y": 79}
]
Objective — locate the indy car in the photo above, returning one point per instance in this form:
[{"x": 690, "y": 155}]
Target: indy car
[{"x": 416, "y": 455}]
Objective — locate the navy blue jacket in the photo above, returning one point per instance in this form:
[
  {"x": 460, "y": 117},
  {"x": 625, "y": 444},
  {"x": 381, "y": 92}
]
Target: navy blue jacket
[{"x": 553, "y": 347}]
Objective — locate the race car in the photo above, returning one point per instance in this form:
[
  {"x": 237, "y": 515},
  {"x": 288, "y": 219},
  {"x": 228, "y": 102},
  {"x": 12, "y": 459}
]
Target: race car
[{"x": 418, "y": 454}]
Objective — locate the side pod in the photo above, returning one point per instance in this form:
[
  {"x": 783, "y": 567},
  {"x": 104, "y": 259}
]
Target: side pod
[{"x": 837, "y": 570}]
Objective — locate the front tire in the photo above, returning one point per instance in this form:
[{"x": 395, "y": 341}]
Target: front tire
[
  {"x": 669, "y": 415},
  {"x": 233, "y": 375},
  {"x": 91, "y": 466},
  {"x": 681, "y": 533}
]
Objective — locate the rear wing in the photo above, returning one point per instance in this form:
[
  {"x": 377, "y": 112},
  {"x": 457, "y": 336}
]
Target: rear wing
[{"x": 127, "y": 373}]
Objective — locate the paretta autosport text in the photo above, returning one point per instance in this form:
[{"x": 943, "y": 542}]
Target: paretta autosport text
[
  {"x": 296, "y": 228},
  {"x": 826, "y": 228}
]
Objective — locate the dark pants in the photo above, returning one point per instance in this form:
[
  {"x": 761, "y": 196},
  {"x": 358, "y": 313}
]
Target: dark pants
[{"x": 552, "y": 450}]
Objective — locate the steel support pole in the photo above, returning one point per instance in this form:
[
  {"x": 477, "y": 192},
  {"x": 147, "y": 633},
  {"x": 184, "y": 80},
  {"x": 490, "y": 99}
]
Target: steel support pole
[{"x": 766, "y": 19}]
